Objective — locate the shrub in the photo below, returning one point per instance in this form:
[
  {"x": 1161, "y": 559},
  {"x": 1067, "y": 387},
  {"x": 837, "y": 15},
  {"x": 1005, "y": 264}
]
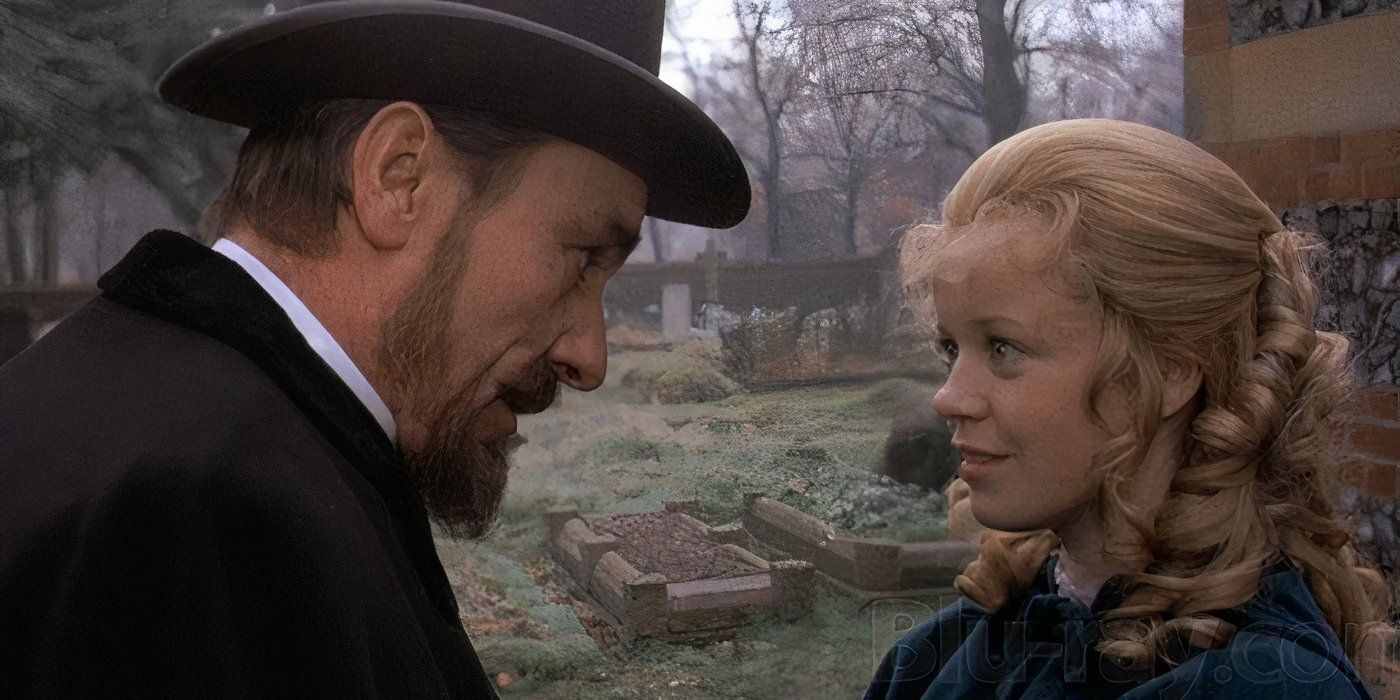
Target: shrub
[
  {"x": 689, "y": 374},
  {"x": 786, "y": 346},
  {"x": 763, "y": 345}
]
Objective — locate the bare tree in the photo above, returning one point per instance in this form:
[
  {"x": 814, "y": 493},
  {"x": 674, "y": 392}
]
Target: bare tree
[
  {"x": 862, "y": 112},
  {"x": 70, "y": 102},
  {"x": 989, "y": 60},
  {"x": 771, "y": 81}
]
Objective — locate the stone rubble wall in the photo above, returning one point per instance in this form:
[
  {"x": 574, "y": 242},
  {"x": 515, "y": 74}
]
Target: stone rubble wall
[
  {"x": 1258, "y": 19},
  {"x": 1361, "y": 300},
  {"x": 1361, "y": 278}
]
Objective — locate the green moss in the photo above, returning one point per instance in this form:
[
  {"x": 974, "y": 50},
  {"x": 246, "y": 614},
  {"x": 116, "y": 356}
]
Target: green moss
[
  {"x": 560, "y": 658},
  {"x": 689, "y": 374},
  {"x": 629, "y": 445}
]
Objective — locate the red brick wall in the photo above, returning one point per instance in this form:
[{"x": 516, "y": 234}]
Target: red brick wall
[
  {"x": 1370, "y": 442},
  {"x": 1205, "y": 26},
  {"x": 1286, "y": 172}
]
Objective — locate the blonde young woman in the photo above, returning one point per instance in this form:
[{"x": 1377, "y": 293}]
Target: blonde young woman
[{"x": 1140, "y": 400}]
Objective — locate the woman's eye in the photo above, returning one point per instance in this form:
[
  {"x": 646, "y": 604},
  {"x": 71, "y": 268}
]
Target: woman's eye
[
  {"x": 948, "y": 349},
  {"x": 1003, "y": 350}
]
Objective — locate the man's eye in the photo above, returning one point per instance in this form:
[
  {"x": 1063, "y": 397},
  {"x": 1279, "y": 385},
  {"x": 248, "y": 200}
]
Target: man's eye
[
  {"x": 948, "y": 350},
  {"x": 588, "y": 257}
]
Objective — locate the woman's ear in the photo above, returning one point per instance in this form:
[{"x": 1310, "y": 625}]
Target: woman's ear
[{"x": 1181, "y": 382}]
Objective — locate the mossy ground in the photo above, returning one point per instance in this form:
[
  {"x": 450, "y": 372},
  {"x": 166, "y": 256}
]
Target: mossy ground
[{"x": 610, "y": 452}]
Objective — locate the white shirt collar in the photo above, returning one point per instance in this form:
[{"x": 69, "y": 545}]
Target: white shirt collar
[{"x": 315, "y": 334}]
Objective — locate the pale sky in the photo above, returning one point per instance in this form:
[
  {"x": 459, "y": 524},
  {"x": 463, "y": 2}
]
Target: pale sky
[{"x": 708, "y": 26}]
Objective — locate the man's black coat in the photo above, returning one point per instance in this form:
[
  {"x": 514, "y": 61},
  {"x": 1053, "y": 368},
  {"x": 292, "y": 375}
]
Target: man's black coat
[{"x": 193, "y": 504}]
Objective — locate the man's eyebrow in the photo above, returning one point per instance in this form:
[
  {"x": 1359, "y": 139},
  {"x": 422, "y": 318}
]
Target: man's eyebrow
[
  {"x": 621, "y": 239},
  {"x": 624, "y": 237},
  {"x": 613, "y": 233}
]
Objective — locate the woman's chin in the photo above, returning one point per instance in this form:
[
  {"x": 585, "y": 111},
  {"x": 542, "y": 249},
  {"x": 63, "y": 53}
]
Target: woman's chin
[{"x": 1006, "y": 516}]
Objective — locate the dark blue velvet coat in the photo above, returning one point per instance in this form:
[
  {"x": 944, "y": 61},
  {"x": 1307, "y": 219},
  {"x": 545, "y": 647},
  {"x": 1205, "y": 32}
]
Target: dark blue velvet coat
[{"x": 1042, "y": 646}]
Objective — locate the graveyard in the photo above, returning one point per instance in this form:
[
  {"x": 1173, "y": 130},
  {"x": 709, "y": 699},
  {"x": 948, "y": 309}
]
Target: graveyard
[{"x": 650, "y": 549}]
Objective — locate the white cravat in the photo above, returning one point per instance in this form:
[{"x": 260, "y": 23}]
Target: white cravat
[
  {"x": 1081, "y": 592},
  {"x": 315, "y": 334}
]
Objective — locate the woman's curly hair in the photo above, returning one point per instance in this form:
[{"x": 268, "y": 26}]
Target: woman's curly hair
[{"x": 1188, "y": 267}]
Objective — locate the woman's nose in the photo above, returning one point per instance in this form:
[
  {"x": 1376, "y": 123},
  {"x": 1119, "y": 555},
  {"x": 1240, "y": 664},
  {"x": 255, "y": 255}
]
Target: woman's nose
[{"x": 959, "y": 398}]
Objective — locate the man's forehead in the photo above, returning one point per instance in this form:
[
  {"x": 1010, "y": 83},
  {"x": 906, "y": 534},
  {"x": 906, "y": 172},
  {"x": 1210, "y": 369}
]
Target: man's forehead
[{"x": 585, "y": 181}]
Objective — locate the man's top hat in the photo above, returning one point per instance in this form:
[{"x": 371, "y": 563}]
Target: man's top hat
[{"x": 585, "y": 71}]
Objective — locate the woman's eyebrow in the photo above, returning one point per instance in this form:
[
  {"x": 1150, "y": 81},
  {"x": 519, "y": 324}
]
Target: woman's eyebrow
[
  {"x": 984, "y": 322},
  {"x": 981, "y": 323}
]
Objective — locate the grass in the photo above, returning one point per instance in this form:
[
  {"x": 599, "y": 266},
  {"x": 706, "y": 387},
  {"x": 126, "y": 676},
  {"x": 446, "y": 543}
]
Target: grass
[{"x": 610, "y": 451}]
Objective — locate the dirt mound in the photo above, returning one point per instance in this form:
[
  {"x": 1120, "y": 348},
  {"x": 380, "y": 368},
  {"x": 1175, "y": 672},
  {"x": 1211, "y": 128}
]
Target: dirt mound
[{"x": 665, "y": 543}]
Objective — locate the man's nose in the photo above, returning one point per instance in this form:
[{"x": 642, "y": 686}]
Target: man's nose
[
  {"x": 579, "y": 357},
  {"x": 959, "y": 398}
]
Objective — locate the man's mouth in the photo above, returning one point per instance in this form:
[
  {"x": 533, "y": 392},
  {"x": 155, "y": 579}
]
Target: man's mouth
[
  {"x": 532, "y": 395},
  {"x": 497, "y": 422}
]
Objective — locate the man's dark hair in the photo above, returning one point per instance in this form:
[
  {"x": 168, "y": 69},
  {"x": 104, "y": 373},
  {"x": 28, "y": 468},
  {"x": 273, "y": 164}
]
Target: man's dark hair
[{"x": 293, "y": 175}]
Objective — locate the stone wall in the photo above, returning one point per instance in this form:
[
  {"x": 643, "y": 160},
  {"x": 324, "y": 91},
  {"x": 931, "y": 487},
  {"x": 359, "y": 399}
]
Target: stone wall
[
  {"x": 668, "y": 575},
  {"x": 1361, "y": 279},
  {"x": 1257, "y": 19},
  {"x": 865, "y": 563},
  {"x": 811, "y": 285}
]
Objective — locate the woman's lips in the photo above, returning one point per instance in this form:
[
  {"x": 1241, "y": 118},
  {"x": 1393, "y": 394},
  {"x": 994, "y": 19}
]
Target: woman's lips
[{"x": 977, "y": 464}]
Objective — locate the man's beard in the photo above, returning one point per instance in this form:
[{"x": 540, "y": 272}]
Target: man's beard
[{"x": 461, "y": 477}]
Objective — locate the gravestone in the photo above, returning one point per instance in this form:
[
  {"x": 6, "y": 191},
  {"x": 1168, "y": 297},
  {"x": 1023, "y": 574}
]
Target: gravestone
[{"x": 675, "y": 312}]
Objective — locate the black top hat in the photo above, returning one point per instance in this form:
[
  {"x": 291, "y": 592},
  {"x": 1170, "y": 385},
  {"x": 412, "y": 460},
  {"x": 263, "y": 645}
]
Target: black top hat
[{"x": 583, "y": 71}]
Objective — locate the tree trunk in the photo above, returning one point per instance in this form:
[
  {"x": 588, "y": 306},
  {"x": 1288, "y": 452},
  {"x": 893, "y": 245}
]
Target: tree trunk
[
  {"x": 854, "y": 178},
  {"x": 773, "y": 196},
  {"x": 657, "y": 253},
  {"x": 177, "y": 194},
  {"x": 14, "y": 243},
  {"x": 1003, "y": 94},
  {"x": 46, "y": 224}
]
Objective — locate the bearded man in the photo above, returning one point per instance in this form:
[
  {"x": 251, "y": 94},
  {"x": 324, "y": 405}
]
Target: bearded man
[{"x": 217, "y": 477}]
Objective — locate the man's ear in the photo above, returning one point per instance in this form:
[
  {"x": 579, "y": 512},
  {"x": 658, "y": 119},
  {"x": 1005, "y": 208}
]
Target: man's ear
[
  {"x": 388, "y": 166},
  {"x": 1181, "y": 382}
]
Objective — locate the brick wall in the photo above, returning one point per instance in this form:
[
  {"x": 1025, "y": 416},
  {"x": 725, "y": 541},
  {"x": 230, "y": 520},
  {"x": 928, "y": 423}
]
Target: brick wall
[
  {"x": 1311, "y": 120},
  {"x": 1286, "y": 172},
  {"x": 1369, "y": 458},
  {"x": 1370, "y": 442}
]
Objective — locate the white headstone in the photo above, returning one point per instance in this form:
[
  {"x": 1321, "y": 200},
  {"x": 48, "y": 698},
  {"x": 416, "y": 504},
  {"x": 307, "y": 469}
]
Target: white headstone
[{"x": 675, "y": 312}]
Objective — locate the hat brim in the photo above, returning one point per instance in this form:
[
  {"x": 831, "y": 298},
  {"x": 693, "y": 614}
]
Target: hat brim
[{"x": 454, "y": 54}]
